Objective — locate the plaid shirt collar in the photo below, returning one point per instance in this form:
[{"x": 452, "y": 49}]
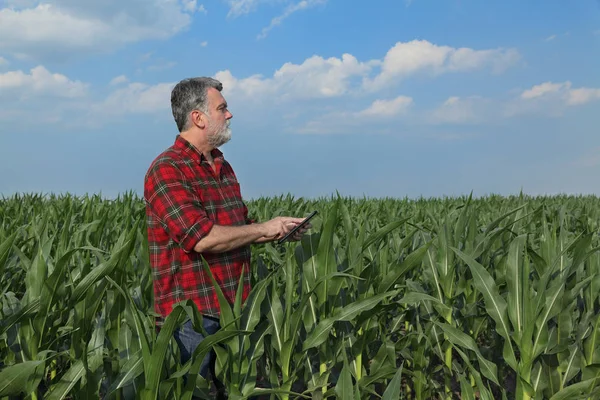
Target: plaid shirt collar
[{"x": 193, "y": 152}]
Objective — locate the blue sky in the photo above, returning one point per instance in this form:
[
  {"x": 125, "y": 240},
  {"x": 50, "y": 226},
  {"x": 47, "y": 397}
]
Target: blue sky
[{"x": 378, "y": 99}]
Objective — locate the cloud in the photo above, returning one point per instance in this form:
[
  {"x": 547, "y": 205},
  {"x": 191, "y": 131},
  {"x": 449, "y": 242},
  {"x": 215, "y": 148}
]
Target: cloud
[
  {"x": 545, "y": 89},
  {"x": 582, "y": 96},
  {"x": 241, "y": 7},
  {"x": 388, "y": 108},
  {"x": 204, "y": 44},
  {"x": 457, "y": 110},
  {"x": 562, "y": 92},
  {"x": 316, "y": 77},
  {"x": 48, "y": 96},
  {"x": 192, "y": 6},
  {"x": 137, "y": 98},
  {"x": 376, "y": 117},
  {"x": 556, "y": 36},
  {"x": 3, "y": 61},
  {"x": 39, "y": 81},
  {"x": 408, "y": 58},
  {"x": 162, "y": 66},
  {"x": 291, "y": 9},
  {"x": 62, "y": 28},
  {"x": 119, "y": 80},
  {"x": 547, "y": 99}
]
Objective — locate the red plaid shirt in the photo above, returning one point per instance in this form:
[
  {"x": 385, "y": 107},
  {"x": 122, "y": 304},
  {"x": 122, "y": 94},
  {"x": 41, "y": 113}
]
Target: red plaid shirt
[{"x": 184, "y": 197}]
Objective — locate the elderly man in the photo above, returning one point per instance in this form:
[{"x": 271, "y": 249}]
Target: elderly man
[{"x": 194, "y": 210}]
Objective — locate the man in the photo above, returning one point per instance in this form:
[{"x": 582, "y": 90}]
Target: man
[{"x": 194, "y": 209}]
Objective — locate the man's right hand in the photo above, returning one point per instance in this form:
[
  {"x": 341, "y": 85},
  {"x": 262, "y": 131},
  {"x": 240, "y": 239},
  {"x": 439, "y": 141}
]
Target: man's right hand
[{"x": 279, "y": 227}]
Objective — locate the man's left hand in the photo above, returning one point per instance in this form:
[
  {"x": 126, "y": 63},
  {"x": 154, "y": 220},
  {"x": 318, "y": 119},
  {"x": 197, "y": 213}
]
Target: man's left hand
[{"x": 297, "y": 236}]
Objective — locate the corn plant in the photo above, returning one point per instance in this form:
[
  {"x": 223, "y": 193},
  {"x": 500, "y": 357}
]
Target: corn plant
[{"x": 486, "y": 298}]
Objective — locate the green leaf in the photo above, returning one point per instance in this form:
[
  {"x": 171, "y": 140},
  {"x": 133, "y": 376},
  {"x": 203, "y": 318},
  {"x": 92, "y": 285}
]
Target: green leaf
[
  {"x": 159, "y": 351},
  {"x": 325, "y": 258},
  {"x": 5, "y": 247},
  {"x": 226, "y": 314},
  {"x": 515, "y": 283},
  {"x": 68, "y": 381},
  {"x": 494, "y": 303},
  {"x": 416, "y": 297},
  {"x": 14, "y": 378},
  {"x": 201, "y": 351},
  {"x": 412, "y": 260},
  {"x": 321, "y": 331},
  {"x": 382, "y": 233},
  {"x": 466, "y": 390},
  {"x": 132, "y": 368},
  {"x": 344, "y": 388},
  {"x": 100, "y": 272},
  {"x": 392, "y": 392},
  {"x": 578, "y": 390},
  {"x": 459, "y": 338}
]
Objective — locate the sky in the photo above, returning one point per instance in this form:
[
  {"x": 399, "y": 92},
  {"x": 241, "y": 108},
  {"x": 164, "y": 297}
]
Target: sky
[{"x": 387, "y": 98}]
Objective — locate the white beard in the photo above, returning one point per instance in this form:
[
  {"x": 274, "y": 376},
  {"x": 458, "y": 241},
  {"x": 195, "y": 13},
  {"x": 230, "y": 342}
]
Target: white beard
[{"x": 219, "y": 136}]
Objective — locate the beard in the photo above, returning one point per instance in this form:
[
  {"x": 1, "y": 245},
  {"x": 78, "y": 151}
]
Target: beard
[{"x": 219, "y": 135}]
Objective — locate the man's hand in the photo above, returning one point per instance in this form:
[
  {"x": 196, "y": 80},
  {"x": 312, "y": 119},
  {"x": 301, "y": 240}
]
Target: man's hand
[
  {"x": 279, "y": 227},
  {"x": 300, "y": 232}
]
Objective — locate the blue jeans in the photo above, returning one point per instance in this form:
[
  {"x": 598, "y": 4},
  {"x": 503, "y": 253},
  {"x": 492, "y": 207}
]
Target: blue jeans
[{"x": 188, "y": 339}]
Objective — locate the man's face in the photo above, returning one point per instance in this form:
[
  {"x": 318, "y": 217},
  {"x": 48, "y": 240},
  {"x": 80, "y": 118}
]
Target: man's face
[{"x": 218, "y": 131}]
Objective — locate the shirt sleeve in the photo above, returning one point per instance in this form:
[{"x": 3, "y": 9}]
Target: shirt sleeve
[{"x": 174, "y": 202}]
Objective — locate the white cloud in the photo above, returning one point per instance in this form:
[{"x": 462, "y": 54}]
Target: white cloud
[
  {"x": 545, "y": 89},
  {"x": 388, "y": 108},
  {"x": 582, "y": 96},
  {"x": 316, "y": 77},
  {"x": 119, "y": 80},
  {"x": 60, "y": 28},
  {"x": 162, "y": 66},
  {"x": 556, "y": 36},
  {"x": 47, "y": 95},
  {"x": 39, "y": 81},
  {"x": 3, "y": 61},
  {"x": 189, "y": 5},
  {"x": 204, "y": 44},
  {"x": 562, "y": 92},
  {"x": 457, "y": 110},
  {"x": 291, "y": 9},
  {"x": 375, "y": 117},
  {"x": 192, "y": 6},
  {"x": 138, "y": 98},
  {"x": 548, "y": 99},
  {"x": 408, "y": 58},
  {"x": 241, "y": 7}
]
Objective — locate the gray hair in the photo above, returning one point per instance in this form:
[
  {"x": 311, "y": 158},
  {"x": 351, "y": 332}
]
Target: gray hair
[{"x": 188, "y": 95}]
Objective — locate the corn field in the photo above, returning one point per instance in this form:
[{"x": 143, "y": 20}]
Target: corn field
[{"x": 453, "y": 298}]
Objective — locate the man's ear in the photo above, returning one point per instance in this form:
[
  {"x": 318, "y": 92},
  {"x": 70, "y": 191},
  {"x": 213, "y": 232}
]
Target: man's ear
[{"x": 199, "y": 119}]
